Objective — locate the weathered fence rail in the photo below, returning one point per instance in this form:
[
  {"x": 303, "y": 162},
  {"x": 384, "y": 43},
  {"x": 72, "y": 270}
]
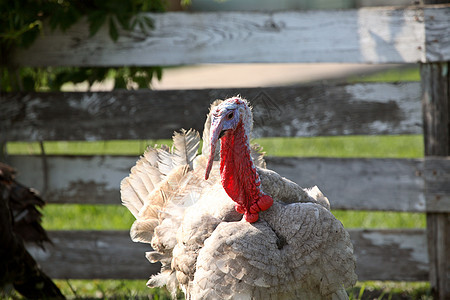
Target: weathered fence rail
[
  {"x": 371, "y": 35},
  {"x": 349, "y": 183},
  {"x": 325, "y": 110},
  {"x": 375, "y": 35},
  {"x": 381, "y": 255}
]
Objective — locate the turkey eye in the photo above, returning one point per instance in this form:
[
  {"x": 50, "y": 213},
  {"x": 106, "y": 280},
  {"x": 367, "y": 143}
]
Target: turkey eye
[{"x": 230, "y": 116}]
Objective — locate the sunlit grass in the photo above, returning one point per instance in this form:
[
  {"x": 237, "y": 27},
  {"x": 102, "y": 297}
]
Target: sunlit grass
[
  {"x": 136, "y": 289},
  {"x": 107, "y": 289},
  {"x": 390, "y": 290},
  {"x": 86, "y": 217},
  {"x": 115, "y": 147},
  {"x": 401, "y": 146},
  {"x": 116, "y": 217},
  {"x": 379, "y": 219},
  {"x": 408, "y": 73}
]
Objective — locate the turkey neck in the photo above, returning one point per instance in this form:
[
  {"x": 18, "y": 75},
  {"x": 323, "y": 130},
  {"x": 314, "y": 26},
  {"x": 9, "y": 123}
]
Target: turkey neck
[{"x": 239, "y": 176}]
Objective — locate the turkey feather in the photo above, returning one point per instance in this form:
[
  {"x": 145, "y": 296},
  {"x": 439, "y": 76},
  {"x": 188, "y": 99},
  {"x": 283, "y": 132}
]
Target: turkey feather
[{"x": 293, "y": 249}]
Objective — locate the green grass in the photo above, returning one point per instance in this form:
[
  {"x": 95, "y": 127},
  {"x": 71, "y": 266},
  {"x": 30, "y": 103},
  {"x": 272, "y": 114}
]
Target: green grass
[
  {"x": 106, "y": 289},
  {"x": 117, "y": 147},
  {"x": 408, "y": 73},
  {"x": 136, "y": 289},
  {"x": 86, "y": 217},
  {"x": 390, "y": 290},
  {"x": 111, "y": 289},
  {"x": 401, "y": 146},
  {"x": 115, "y": 217},
  {"x": 380, "y": 220}
]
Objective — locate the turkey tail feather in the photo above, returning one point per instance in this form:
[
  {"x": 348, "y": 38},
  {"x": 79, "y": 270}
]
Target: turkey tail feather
[
  {"x": 160, "y": 178},
  {"x": 144, "y": 177},
  {"x": 185, "y": 147}
]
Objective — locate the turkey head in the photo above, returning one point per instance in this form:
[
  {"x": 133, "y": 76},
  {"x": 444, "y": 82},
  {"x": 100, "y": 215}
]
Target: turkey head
[{"x": 232, "y": 122}]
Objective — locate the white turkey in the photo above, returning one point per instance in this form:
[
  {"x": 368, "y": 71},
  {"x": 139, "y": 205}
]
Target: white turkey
[{"x": 225, "y": 227}]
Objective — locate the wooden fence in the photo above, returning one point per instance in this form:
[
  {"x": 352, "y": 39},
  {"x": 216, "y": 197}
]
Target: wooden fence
[{"x": 374, "y": 35}]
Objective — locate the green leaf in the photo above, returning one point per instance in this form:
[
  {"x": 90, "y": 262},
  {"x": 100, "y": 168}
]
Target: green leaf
[
  {"x": 159, "y": 71},
  {"x": 28, "y": 83},
  {"x": 96, "y": 20},
  {"x": 142, "y": 81},
  {"x": 21, "y": 23},
  {"x": 124, "y": 20},
  {"x": 142, "y": 26},
  {"x": 149, "y": 21},
  {"x": 30, "y": 35},
  {"x": 119, "y": 83},
  {"x": 70, "y": 17},
  {"x": 113, "y": 33},
  {"x": 134, "y": 23}
]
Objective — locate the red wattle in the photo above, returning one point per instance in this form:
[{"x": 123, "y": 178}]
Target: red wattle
[
  {"x": 239, "y": 177},
  {"x": 251, "y": 218},
  {"x": 254, "y": 209},
  {"x": 265, "y": 202},
  {"x": 239, "y": 208}
]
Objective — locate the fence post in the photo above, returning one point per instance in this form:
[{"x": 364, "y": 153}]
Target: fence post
[{"x": 435, "y": 80}]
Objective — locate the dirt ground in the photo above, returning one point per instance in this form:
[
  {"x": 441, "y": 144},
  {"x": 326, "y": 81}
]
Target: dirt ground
[
  {"x": 245, "y": 75},
  {"x": 257, "y": 75}
]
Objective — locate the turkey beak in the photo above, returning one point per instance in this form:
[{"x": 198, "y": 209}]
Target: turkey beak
[{"x": 216, "y": 133}]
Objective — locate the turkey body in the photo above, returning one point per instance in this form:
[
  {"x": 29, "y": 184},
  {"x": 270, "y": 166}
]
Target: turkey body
[
  {"x": 20, "y": 221},
  {"x": 230, "y": 228}
]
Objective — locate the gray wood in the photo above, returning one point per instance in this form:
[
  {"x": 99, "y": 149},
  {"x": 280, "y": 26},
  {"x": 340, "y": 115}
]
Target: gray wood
[
  {"x": 436, "y": 106},
  {"x": 75, "y": 179},
  {"x": 390, "y": 254},
  {"x": 311, "y": 110},
  {"x": 355, "y": 184},
  {"x": 374, "y": 35},
  {"x": 359, "y": 184},
  {"x": 437, "y": 33},
  {"x": 381, "y": 255},
  {"x": 435, "y": 78},
  {"x": 94, "y": 255},
  {"x": 437, "y": 183}
]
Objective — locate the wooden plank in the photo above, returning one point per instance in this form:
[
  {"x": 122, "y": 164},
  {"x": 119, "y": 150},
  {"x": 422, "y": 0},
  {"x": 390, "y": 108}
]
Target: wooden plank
[
  {"x": 437, "y": 33},
  {"x": 381, "y": 255},
  {"x": 390, "y": 254},
  {"x": 310, "y": 110},
  {"x": 94, "y": 255},
  {"x": 435, "y": 79},
  {"x": 354, "y": 184},
  {"x": 75, "y": 179},
  {"x": 437, "y": 183},
  {"x": 359, "y": 184},
  {"x": 367, "y": 35},
  {"x": 435, "y": 82}
]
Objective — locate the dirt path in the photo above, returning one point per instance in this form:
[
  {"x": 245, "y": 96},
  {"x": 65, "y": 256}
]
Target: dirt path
[
  {"x": 244, "y": 75},
  {"x": 257, "y": 75}
]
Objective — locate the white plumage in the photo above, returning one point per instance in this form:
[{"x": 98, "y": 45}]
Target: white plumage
[{"x": 296, "y": 250}]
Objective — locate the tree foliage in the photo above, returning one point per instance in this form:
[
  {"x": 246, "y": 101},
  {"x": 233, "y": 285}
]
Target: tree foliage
[{"x": 22, "y": 21}]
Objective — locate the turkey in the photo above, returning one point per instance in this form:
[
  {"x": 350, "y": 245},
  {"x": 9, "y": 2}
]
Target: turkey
[
  {"x": 20, "y": 221},
  {"x": 225, "y": 227}
]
